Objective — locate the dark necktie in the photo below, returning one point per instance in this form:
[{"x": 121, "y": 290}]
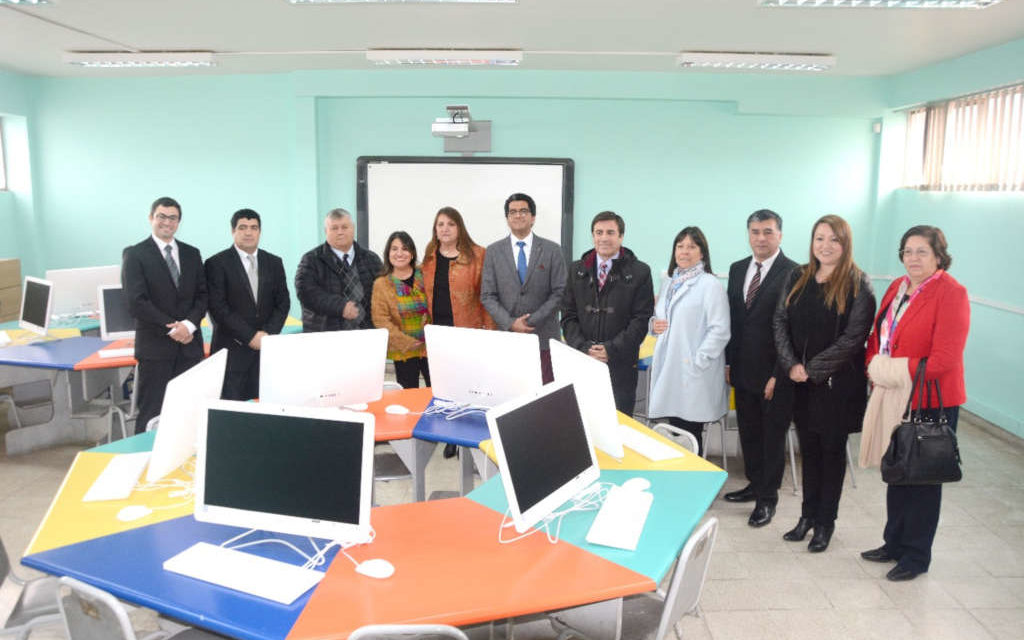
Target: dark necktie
[
  {"x": 602, "y": 275},
  {"x": 172, "y": 266},
  {"x": 755, "y": 283}
]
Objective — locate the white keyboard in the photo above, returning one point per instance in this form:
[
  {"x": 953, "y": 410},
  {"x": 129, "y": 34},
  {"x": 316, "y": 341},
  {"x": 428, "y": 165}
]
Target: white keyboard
[
  {"x": 245, "y": 572},
  {"x": 117, "y": 353},
  {"x": 118, "y": 478},
  {"x": 621, "y": 519},
  {"x": 648, "y": 447}
]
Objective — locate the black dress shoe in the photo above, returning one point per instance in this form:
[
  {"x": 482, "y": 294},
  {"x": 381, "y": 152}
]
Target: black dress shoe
[
  {"x": 822, "y": 536},
  {"x": 761, "y": 515},
  {"x": 799, "y": 532},
  {"x": 881, "y": 554},
  {"x": 746, "y": 494},
  {"x": 902, "y": 574}
]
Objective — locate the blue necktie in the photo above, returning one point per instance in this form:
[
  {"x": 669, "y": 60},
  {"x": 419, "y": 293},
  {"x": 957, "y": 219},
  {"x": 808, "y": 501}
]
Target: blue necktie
[{"x": 521, "y": 262}]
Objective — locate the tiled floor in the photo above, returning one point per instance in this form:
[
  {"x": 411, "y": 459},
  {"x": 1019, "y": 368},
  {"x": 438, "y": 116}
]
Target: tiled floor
[{"x": 760, "y": 586}]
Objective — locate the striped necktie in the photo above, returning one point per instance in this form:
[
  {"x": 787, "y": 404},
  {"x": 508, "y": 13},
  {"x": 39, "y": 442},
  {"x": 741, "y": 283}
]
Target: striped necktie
[
  {"x": 755, "y": 284},
  {"x": 602, "y": 274},
  {"x": 172, "y": 266}
]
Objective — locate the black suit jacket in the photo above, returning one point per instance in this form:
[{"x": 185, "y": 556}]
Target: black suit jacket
[
  {"x": 750, "y": 353},
  {"x": 155, "y": 302},
  {"x": 236, "y": 316}
]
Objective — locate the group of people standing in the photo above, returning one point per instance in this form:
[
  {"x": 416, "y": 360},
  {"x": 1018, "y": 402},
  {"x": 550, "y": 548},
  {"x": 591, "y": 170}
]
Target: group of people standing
[{"x": 794, "y": 341}]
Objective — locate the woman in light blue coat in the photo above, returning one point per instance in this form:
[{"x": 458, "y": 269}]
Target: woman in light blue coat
[{"x": 691, "y": 320}]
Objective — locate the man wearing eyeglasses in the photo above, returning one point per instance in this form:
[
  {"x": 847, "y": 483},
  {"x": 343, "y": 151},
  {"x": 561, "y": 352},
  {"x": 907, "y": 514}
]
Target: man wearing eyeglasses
[
  {"x": 165, "y": 286},
  {"x": 524, "y": 278}
]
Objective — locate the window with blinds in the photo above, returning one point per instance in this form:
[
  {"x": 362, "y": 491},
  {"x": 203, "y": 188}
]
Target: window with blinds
[{"x": 973, "y": 143}]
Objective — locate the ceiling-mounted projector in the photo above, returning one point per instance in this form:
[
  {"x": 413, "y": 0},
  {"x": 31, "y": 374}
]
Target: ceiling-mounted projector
[{"x": 455, "y": 125}]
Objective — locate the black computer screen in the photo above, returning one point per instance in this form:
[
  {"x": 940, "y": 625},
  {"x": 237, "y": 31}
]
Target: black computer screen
[
  {"x": 545, "y": 445},
  {"x": 287, "y": 465},
  {"x": 115, "y": 311},
  {"x": 37, "y": 299}
]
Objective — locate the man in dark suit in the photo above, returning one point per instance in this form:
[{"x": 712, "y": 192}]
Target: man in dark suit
[
  {"x": 763, "y": 408},
  {"x": 248, "y": 300},
  {"x": 608, "y": 302},
  {"x": 334, "y": 281},
  {"x": 524, "y": 278},
  {"x": 165, "y": 286}
]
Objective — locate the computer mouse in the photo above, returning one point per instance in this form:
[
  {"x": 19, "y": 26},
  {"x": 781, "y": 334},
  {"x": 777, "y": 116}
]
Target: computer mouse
[
  {"x": 357, "y": 406},
  {"x": 396, "y": 409},
  {"x": 133, "y": 512},
  {"x": 637, "y": 484},
  {"x": 376, "y": 568}
]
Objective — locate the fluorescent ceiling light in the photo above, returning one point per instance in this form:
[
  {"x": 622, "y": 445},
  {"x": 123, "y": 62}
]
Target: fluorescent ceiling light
[
  {"x": 755, "y": 61},
  {"x": 446, "y": 57},
  {"x": 147, "y": 60},
  {"x": 24, "y": 2},
  {"x": 882, "y": 4},
  {"x": 402, "y": 1}
]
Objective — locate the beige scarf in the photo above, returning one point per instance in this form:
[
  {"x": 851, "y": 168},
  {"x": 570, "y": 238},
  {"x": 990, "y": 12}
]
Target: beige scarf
[{"x": 891, "y": 382}]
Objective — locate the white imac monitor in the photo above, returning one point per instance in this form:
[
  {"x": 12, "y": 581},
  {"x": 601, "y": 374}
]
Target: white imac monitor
[
  {"x": 183, "y": 409},
  {"x": 116, "y": 321},
  {"x": 543, "y": 452},
  {"x": 481, "y": 367},
  {"x": 74, "y": 290},
  {"x": 325, "y": 369},
  {"x": 36, "y": 303},
  {"x": 594, "y": 391},
  {"x": 300, "y": 470}
]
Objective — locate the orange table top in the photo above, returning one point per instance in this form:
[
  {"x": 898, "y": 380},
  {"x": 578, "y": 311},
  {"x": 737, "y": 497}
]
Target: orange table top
[
  {"x": 96, "y": 362},
  {"x": 389, "y": 426},
  {"x": 450, "y": 567}
]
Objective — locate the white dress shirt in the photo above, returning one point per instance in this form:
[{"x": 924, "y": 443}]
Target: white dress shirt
[
  {"x": 526, "y": 248},
  {"x": 766, "y": 265}
]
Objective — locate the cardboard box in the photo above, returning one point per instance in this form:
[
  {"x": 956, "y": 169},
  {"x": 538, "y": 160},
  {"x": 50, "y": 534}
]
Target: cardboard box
[
  {"x": 10, "y": 303},
  {"x": 10, "y": 272}
]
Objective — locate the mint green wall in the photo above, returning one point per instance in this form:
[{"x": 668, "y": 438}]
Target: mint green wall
[
  {"x": 661, "y": 164},
  {"x": 982, "y": 230},
  {"x": 664, "y": 149}
]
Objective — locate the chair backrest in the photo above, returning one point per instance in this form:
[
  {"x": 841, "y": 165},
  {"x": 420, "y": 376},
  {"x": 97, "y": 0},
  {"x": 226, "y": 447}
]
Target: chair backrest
[
  {"x": 688, "y": 580},
  {"x": 407, "y": 631},
  {"x": 684, "y": 438},
  {"x": 92, "y": 614}
]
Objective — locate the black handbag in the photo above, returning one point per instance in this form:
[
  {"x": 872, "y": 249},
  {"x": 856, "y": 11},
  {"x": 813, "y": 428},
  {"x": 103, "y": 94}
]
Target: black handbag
[{"x": 922, "y": 451}]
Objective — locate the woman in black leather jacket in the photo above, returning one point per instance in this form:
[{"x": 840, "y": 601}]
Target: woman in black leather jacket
[{"x": 821, "y": 322}]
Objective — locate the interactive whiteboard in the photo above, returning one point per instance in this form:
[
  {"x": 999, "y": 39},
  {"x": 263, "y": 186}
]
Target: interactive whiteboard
[{"x": 404, "y": 193}]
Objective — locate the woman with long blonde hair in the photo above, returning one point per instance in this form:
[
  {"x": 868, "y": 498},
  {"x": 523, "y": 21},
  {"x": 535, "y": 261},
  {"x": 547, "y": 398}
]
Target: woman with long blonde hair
[{"x": 821, "y": 321}]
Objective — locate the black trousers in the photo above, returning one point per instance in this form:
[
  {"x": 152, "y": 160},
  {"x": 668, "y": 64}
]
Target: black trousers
[
  {"x": 242, "y": 384},
  {"x": 913, "y": 514},
  {"x": 762, "y": 425},
  {"x": 695, "y": 428},
  {"x": 624, "y": 379},
  {"x": 407, "y": 372},
  {"x": 823, "y": 453},
  {"x": 152, "y": 383}
]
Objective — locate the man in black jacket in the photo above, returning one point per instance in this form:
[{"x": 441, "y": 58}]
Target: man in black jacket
[
  {"x": 763, "y": 408},
  {"x": 608, "y": 302},
  {"x": 334, "y": 282},
  {"x": 248, "y": 300},
  {"x": 165, "y": 287}
]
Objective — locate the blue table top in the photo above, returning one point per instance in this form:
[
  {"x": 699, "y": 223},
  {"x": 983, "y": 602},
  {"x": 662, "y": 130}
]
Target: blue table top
[
  {"x": 138, "y": 576},
  {"x": 52, "y": 354},
  {"x": 467, "y": 431},
  {"x": 680, "y": 500}
]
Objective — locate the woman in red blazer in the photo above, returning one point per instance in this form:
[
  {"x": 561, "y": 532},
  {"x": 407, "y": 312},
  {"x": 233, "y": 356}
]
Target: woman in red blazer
[{"x": 924, "y": 314}]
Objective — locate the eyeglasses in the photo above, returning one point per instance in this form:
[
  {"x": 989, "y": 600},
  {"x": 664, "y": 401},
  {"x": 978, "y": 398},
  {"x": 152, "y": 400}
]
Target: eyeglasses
[
  {"x": 518, "y": 212},
  {"x": 166, "y": 218},
  {"x": 915, "y": 253}
]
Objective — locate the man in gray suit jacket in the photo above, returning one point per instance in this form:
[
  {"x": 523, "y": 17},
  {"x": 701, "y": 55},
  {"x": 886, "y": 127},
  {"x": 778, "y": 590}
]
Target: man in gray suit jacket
[{"x": 523, "y": 280}]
